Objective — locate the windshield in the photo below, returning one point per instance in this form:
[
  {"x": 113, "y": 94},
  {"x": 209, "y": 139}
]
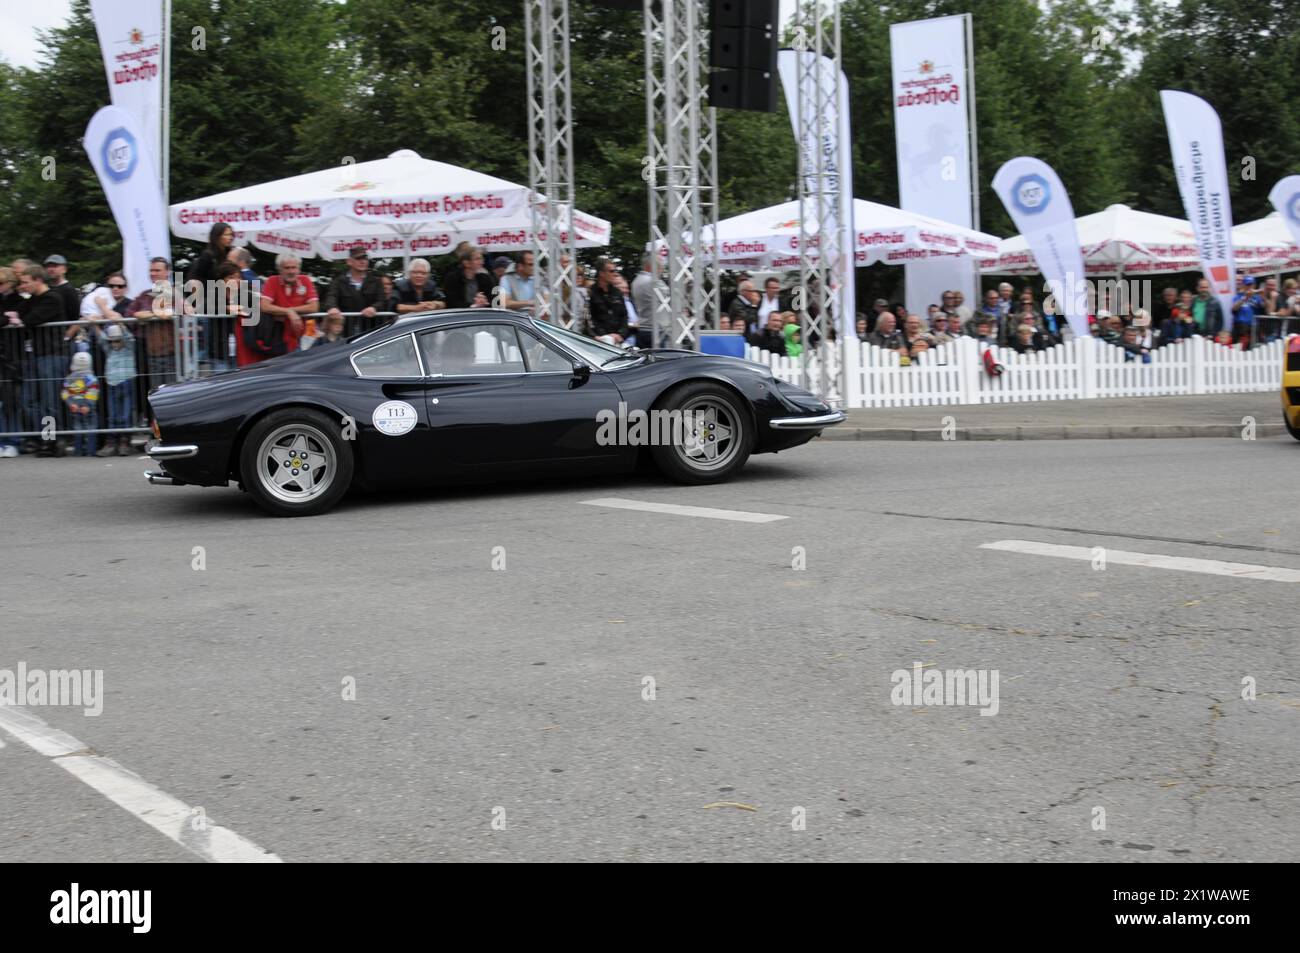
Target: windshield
[{"x": 594, "y": 351}]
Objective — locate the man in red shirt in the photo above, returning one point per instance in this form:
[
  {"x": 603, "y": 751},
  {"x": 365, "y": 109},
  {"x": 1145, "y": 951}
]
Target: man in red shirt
[{"x": 286, "y": 296}]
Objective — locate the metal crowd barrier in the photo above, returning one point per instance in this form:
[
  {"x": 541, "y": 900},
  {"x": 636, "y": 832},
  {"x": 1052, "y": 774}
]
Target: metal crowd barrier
[{"x": 35, "y": 363}]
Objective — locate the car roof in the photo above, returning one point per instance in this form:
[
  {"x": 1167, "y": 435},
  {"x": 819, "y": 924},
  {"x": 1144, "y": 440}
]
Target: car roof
[{"x": 418, "y": 321}]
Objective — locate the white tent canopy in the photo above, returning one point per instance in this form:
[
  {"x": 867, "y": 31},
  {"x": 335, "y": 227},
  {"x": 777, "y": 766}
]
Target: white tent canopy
[
  {"x": 769, "y": 237},
  {"x": 1123, "y": 241},
  {"x": 400, "y": 206},
  {"x": 1270, "y": 241}
]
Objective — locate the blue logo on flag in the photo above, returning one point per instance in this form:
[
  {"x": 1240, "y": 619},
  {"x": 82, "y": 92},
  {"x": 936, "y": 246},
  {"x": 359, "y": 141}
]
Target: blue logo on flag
[
  {"x": 1293, "y": 208},
  {"x": 119, "y": 154},
  {"x": 1031, "y": 194}
]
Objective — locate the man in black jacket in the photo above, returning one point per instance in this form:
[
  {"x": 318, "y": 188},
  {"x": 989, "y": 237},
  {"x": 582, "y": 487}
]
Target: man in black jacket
[
  {"x": 56, "y": 270},
  {"x": 771, "y": 338},
  {"x": 608, "y": 313},
  {"x": 357, "y": 290},
  {"x": 47, "y": 364},
  {"x": 469, "y": 286}
]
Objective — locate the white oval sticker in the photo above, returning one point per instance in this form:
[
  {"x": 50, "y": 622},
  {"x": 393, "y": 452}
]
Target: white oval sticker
[{"x": 394, "y": 418}]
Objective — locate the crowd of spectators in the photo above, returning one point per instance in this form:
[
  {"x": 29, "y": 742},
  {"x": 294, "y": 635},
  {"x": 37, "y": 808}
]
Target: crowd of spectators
[
  {"x": 79, "y": 363},
  {"x": 86, "y": 359}
]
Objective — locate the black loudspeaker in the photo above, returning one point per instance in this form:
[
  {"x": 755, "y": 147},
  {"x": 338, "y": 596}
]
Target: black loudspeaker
[
  {"x": 621, "y": 4},
  {"x": 742, "y": 48},
  {"x": 743, "y": 89}
]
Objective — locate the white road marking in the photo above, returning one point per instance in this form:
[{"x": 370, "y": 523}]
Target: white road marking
[
  {"x": 129, "y": 791},
  {"x": 1212, "y": 567},
  {"x": 675, "y": 509}
]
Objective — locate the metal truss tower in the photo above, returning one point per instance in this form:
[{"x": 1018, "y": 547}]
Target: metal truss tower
[
  {"x": 550, "y": 164},
  {"x": 681, "y": 169},
  {"x": 822, "y": 206}
]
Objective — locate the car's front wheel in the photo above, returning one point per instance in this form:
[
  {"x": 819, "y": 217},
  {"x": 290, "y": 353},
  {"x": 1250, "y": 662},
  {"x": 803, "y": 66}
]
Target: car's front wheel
[
  {"x": 295, "y": 462},
  {"x": 714, "y": 433},
  {"x": 1291, "y": 428}
]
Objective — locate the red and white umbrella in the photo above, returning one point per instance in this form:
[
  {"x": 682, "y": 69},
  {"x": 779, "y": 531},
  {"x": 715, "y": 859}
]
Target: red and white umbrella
[
  {"x": 1124, "y": 241},
  {"x": 769, "y": 238},
  {"x": 400, "y": 206},
  {"x": 1271, "y": 245}
]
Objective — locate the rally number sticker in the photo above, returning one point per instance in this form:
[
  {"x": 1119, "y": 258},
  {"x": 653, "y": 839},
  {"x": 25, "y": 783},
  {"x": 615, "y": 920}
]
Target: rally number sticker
[{"x": 394, "y": 418}]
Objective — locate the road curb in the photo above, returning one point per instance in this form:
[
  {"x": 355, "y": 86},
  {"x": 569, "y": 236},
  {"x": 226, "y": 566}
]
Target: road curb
[{"x": 1059, "y": 432}]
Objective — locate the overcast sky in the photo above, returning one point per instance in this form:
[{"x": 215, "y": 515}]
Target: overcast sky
[{"x": 22, "y": 18}]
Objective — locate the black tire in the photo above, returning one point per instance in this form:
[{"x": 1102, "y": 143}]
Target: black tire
[
  {"x": 296, "y": 443},
  {"x": 1290, "y": 428},
  {"x": 727, "y": 432}
]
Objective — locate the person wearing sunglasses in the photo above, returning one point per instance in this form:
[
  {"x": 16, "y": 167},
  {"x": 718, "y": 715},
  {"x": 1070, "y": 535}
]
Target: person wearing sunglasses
[{"x": 108, "y": 302}]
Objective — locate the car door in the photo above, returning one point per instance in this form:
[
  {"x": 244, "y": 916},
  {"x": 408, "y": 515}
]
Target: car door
[
  {"x": 496, "y": 399},
  {"x": 390, "y": 418}
]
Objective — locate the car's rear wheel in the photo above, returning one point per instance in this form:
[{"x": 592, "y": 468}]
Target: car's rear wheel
[
  {"x": 295, "y": 462},
  {"x": 1291, "y": 428},
  {"x": 715, "y": 434}
]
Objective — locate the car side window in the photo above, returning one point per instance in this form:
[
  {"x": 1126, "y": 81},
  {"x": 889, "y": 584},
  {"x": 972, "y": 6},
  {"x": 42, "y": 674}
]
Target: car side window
[
  {"x": 472, "y": 349},
  {"x": 395, "y": 358},
  {"x": 543, "y": 358}
]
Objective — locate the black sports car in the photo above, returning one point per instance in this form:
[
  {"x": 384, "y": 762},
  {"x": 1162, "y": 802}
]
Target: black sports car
[{"x": 466, "y": 396}]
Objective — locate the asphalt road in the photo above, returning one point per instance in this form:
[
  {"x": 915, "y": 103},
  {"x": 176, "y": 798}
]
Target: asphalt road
[{"x": 502, "y": 714}]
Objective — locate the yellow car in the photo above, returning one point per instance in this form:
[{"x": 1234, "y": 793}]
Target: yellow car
[{"x": 1291, "y": 386}]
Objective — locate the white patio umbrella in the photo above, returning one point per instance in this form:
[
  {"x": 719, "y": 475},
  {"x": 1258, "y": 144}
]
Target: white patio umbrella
[
  {"x": 1272, "y": 244},
  {"x": 769, "y": 237},
  {"x": 1123, "y": 241},
  {"x": 399, "y": 206}
]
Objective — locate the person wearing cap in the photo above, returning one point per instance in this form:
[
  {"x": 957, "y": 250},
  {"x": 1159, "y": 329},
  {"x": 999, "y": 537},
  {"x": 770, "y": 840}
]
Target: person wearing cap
[
  {"x": 56, "y": 266},
  {"x": 1109, "y": 327},
  {"x": 1142, "y": 321},
  {"x": 81, "y": 395},
  {"x": 878, "y": 307},
  {"x": 117, "y": 343},
  {"x": 500, "y": 265},
  {"x": 358, "y": 290},
  {"x": 1246, "y": 305}
]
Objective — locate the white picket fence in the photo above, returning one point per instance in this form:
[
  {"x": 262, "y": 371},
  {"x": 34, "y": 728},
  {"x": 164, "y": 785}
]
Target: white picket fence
[{"x": 954, "y": 373}]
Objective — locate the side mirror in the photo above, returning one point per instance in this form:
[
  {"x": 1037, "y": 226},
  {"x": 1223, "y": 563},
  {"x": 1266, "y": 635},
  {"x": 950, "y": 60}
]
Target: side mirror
[{"x": 581, "y": 374}]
